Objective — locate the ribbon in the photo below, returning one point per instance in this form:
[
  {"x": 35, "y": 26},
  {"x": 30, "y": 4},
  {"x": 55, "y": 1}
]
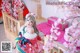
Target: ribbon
[
  {"x": 17, "y": 45},
  {"x": 23, "y": 41}
]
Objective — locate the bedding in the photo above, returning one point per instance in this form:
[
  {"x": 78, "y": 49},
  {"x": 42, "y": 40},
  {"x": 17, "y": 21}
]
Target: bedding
[
  {"x": 46, "y": 26},
  {"x": 51, "y": 20}
]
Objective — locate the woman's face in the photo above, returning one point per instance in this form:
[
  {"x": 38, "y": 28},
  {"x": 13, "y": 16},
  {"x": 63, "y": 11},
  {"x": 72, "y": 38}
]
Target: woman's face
[{"x": 29, "y": 22}]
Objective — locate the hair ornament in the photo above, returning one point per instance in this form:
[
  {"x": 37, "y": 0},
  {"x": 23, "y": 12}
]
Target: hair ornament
[{"x": 32, "y": 14}]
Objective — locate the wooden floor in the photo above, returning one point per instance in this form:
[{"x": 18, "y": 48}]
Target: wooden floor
[
  {"x": 41, "y": 19},
  {"x": 3, "y": 37}
]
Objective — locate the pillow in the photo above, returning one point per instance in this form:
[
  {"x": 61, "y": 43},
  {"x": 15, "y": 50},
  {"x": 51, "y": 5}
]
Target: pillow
[
  {"x": 44, "y": 27},
  {"x": 51, "y": 20},
  {"x": 61, "y": 25}
]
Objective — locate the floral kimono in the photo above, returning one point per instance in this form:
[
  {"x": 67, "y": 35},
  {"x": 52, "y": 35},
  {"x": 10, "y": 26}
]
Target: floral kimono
[{"x": 26, "y": 42}]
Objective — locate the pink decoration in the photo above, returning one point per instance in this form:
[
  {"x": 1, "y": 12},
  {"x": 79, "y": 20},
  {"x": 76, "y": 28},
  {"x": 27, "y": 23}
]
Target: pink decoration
[
  {"x": 69, "y": 36},
  {"x": 17, "y": 5},
  {"x": 44, "y": 27},
  {"x": 51, "y": 20},
  {"x": 12, "y": 7},
  {"x": 72, "y": 36},
  {"x": 6, "y": 6}
]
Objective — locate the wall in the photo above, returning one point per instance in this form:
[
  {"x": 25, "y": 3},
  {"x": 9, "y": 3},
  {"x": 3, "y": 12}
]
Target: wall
[
  {"x": 32, "y": 6},
  {"x": 49, "y": 10},
  {"x": 53, "y": 10}
]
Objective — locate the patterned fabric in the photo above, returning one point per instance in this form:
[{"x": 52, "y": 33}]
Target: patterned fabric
[{"x": 25, "y": 45}]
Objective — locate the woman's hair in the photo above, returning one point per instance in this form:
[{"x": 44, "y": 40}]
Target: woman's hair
[{"x": 32, "y": 18}]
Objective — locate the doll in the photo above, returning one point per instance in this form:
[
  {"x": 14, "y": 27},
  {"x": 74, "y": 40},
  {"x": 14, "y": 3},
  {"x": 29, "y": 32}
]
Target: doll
[{"x": 29, "y": 35}]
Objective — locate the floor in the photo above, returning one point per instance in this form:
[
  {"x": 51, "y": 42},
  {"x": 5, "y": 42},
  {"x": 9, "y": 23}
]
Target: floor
[{"x": 3, "y": 38}]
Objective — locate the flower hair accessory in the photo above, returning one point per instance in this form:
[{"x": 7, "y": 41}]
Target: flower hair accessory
[{"x": 32, "y": 14}]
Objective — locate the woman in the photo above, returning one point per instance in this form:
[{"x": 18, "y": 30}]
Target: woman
[{"x": 29, "y": 36}]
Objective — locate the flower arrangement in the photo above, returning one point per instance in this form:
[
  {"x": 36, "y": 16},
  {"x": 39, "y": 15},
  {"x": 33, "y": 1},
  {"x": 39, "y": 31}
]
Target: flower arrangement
[
  {"x": 12, "y": 7},
  {"x": 48, "y": 43},
  {"x": 72, "y": 33},
  {"x": 6, "y": 6},
  {"x": 17, "y": 5},
  {"x": 57, "y": 27},
  {"x": 72, "y": 37}
]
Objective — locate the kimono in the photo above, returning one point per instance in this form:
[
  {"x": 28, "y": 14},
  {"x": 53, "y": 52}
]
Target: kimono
[{"x": 28, "y": 43}]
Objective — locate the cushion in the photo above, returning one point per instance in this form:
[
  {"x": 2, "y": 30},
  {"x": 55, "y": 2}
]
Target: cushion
[
  {"x": 62, "y": 26},
  {"x": 44, "y": 27},
  {"x": 51, "y": 20}
]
